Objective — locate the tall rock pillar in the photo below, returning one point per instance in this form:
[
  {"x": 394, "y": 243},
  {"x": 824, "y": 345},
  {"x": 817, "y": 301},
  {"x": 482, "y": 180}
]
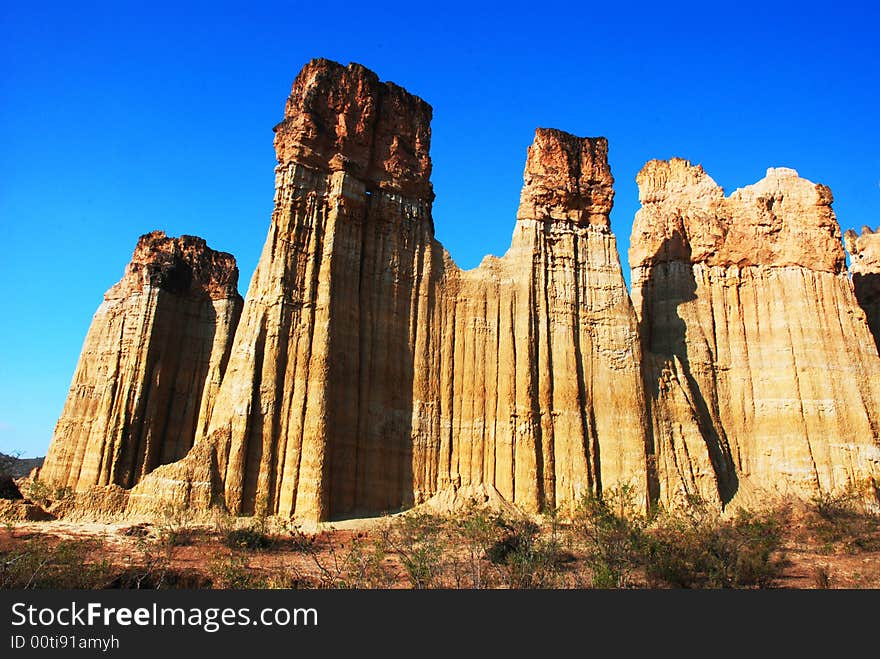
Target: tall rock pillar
[
  {"x": 314, "y": 416},
  {"x": 150, "y": 366}
]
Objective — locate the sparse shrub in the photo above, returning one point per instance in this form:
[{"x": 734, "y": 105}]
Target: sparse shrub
[
  {"x": 39, "y": 493},
  {"x": 287, "y": 577},
  {"x": 360, "y": 565},
  {"x": 364, "y": 564},
  {"x": 526, "y": 558},
  {"x": 699, "y": 549},
  {"x": 147, "y": 569},
  {"x": 253, "y": 536},
  {"x": 842, "y": 520},
  {"x": 821, "y": 577},
  {"x": 136, "y": 530},
  {"x": 533, "y": 565},
  {"x": 66, "y": 565},
  {"x": 174, "y": 526},
  {"x": 832, "y": 506},
  {"x": 416, "y": 539},
  {"x": 476, "y": 531},
  {"x": 231, "y": 571},
  {"x": 293, "y": 536},
  {"x": 611, "y": 528},
  {"x": 517, "y": 536},
  {"x": 62, "y": 493},
  {"x": 248, "y": 537}
]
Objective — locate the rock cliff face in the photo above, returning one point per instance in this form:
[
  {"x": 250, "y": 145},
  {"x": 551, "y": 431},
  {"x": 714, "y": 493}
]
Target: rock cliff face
[
  {"x": 864, "y": 253},
  {"x": 150, "y": 366},
  {"x": 370, "y": 373},
  {"x": 761, "y": 370}
]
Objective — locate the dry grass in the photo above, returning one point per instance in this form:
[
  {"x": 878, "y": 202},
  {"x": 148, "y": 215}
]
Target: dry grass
[{"x": 830, "y": 543}]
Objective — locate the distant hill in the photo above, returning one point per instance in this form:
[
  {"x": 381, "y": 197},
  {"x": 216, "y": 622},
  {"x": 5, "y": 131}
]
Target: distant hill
[{"x": 18, "y": 467}]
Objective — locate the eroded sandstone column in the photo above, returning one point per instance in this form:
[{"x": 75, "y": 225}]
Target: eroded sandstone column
[
  {"x": 544, "y": 400},
  {"x": 150, "y": 366},
  {"x": 761, "y": 369},
  {"x": 314, "y": 416}
]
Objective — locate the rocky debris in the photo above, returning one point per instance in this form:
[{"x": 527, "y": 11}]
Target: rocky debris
[
  {"x": 761, "y": 369},
  {"x": 94, "y": 503},
  {"x": 150, "y": 365},
  {"x": 22, "y": 511},
  {"x": 193, "y": 481},
  {"x": 469, "y": 498},
  {"x": 864, "y": 253}
]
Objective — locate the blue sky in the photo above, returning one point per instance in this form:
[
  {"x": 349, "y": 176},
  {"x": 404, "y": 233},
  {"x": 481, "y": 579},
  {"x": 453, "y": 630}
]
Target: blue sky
[{"x": 118, "y": 118}]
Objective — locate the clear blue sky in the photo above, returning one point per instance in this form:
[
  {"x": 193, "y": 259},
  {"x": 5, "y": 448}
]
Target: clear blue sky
[{"x": 117, "y": 118}]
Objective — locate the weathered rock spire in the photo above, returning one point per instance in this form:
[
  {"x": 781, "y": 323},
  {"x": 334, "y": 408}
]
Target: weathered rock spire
[
  {"x": 762, "y": 371},
  {"x": 150, "y": 366}
]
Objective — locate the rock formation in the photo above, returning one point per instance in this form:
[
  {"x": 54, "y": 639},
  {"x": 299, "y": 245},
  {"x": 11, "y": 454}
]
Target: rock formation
[
  {"x": 370, "y": 373},
  {"x": 864, "y": 253},
  {"x": 150, "y": 366},
  {"x": 761, "y": 370}
]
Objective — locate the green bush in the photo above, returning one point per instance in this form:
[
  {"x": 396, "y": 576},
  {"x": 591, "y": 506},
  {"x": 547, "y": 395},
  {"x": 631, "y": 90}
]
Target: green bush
[
  {"x": 526, "y": 558},
  {"x": 841, "y": 520},
  {"x": 518, "y": 537},
  {"x": 249, "y": 537},
  {"x": 174, "y": 526},
  {"x": 476, "y": 533},
  {"x": 231, "y": 571},
  {"x": 39, "y": 493},
  {"x": 612, "y": 530},
  {"x": 417, "y": 540},
  {"x": 697, "y": 549}
]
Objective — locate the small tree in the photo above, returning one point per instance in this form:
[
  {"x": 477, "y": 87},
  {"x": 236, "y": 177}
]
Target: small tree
[{"x": 612, "y": 528}]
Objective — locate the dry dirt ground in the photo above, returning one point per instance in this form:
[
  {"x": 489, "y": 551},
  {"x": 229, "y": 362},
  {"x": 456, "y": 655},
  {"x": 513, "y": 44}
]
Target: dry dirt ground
[{"x": 362, "y": 554}]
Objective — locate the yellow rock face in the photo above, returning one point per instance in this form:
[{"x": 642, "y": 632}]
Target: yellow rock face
[{"x": 762, "y": 372}]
